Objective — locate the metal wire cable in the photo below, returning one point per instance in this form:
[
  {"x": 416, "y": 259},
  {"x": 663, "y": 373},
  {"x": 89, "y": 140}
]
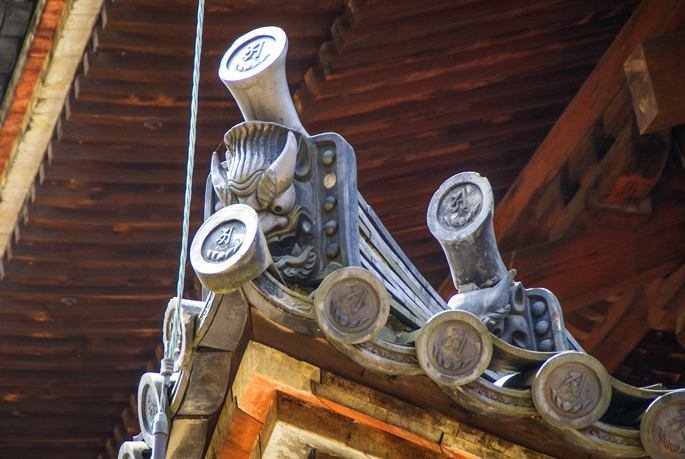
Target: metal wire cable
[{"x": 192, "y": 133}]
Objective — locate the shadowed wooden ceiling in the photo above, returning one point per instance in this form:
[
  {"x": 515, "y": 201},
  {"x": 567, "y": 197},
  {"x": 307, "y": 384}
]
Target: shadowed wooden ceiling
[{"x": 421, "y": 90}]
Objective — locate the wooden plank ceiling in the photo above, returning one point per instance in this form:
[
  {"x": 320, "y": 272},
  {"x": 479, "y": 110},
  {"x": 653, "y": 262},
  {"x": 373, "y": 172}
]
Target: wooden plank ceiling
[{"x": 421, "y": 90}]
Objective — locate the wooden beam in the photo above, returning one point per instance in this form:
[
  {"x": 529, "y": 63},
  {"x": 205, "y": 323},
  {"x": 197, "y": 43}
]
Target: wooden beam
[
  {"x": 70, "y": 362},
  {"x": 83, "y": 195},
  {"x": 140, "y": 328},
  {"x": 142, "y": 93},
  {"x": 253, "y": 5},
  {"x": 441, "y": 112},
  {"x": 427, "y": 76},
  {"x": 18, "y": 345},
  {"x": 56, "y": 312},
  {"x": 169, "y": 134},
  {"x": 651, "y": 18},
  {"x": 155, "y": 68},
  {"x": 98, "y": 256},
  {"x": 56, "y": 293},
  {"x": 84, "y": 110},
  {"x": 657, "y": 82}
]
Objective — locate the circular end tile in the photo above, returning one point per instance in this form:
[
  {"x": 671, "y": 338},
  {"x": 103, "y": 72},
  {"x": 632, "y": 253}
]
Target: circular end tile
[
  {"x": 229, "y": 249},
  {"x": 572, "y": 390},
  {"x": 352, "y": 305},
  {"x": 454, "y": 348},
  {"x": 662, "y": 429}
]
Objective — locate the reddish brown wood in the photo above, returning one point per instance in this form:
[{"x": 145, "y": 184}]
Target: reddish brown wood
[
  {"x": 481, "y": 36},
  {"x": 144, "y": 93},
  {"x": 228, "y": 24},
  {"x": 66, "y": 275},
  {"x": 304, "y": 48},
  {"x": 170, "y": 134},
  {"x": 474, "y": 19},
  {"x": 97, "y": 256},
  {"x": 635, "y": 174},
  {"x": 153, "y": 67},
  {"x": 81, "y": 194},
  {"x": 228, "y": 6},
  {"x": 437, "y": 75},
  {"x": 348, "y": 107},
  {"x": 680, "y": 327},
  {"x": 80, "y": 110},
  {"x": 102, "y": 173},
  {"x": 35, "y": 214},
  {"x": 70, "y": 363}
]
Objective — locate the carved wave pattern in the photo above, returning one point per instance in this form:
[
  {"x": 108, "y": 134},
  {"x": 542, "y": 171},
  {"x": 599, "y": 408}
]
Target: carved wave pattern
[
  {"x": 297, "y": 268},
  {"x": 390, "y": 355},
  {"x": 610, "y": 438},
  {"x": 280, "y": 298},
  {"x": 268, "y": 287},
  {"x": 482, "y": 392}
]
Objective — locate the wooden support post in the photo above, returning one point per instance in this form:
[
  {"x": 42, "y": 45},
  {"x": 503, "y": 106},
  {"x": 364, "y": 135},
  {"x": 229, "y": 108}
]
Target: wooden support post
[{"x": 657, "y": 82}]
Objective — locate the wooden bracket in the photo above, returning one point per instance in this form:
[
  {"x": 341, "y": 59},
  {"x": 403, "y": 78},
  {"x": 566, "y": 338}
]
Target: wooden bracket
[{"x": 657, "y": 82}]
